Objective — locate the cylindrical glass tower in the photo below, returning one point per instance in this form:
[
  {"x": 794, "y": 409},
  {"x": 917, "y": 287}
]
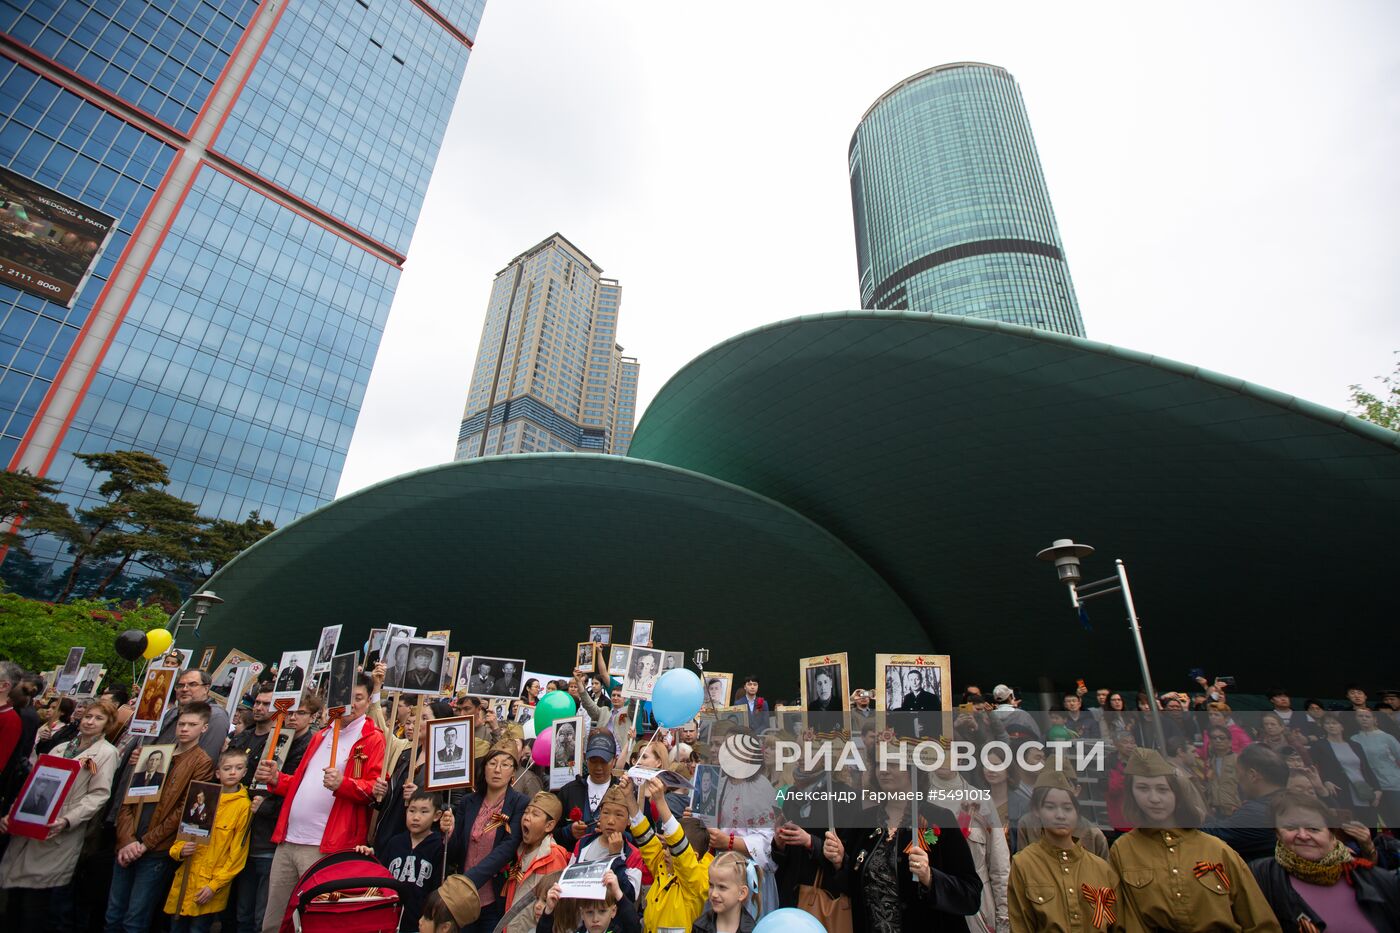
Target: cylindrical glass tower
[{"x": 951, "y": 210}]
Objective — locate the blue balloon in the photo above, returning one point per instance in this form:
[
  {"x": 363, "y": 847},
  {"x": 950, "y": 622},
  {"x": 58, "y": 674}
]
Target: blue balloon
[
  {"x": 789, "y": 920},
  {"x": 676, "y": 697}
]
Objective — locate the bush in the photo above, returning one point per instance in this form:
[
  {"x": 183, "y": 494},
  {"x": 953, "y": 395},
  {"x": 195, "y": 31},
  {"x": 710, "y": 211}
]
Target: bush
[{"x": 37, "y": 635}]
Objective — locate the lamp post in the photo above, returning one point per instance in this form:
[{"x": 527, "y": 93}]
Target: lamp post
[
  {"x": 202, "y": 600},
  {"x": 1065, "y": 554}
]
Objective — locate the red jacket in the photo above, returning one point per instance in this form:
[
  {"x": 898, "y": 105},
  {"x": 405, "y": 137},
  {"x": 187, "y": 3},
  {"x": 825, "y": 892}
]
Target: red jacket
[{"x": 348, "y": 824}]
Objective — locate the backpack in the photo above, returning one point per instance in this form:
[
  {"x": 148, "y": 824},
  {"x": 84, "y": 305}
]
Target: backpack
[{"x": 345, "y": 893}]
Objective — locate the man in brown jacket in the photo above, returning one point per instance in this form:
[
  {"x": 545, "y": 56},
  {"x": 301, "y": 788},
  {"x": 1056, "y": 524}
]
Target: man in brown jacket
[{"x": 145, "y": 831}]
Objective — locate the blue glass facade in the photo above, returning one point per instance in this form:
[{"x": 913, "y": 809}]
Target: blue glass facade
[
  {"x": 241, "y": 352},
  {"x": 951, "y": 209},
  {"x": 78, "y": 149},
  {"x": 162, "y": 58}
]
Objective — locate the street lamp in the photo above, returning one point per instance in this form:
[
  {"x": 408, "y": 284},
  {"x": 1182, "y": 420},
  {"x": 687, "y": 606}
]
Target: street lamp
[
  {"x": 202, "y": 600},
  {"x": 1065, "y": 554}
]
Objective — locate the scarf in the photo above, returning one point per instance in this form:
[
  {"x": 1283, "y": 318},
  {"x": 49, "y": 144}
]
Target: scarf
[{"x": 1325, "y": 871}]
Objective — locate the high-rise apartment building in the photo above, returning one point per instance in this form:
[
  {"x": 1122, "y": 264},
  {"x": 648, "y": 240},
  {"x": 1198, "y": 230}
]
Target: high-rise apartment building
[
  {"x": 951, "y": 209},
  {"x": 264, "y": 164},
  {"x": 549, "y": 372}
]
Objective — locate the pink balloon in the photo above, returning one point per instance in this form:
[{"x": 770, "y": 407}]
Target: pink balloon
[{"x": 540, "y": 751}]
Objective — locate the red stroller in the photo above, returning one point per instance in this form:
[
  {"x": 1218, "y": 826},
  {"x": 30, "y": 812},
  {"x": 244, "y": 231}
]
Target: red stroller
[{"x": 345, "y": 893}]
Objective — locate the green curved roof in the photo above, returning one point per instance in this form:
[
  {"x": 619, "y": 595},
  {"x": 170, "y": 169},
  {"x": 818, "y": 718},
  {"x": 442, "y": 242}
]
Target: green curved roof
[
  {"x": 519, "y": 555},
  {"x": 946, "y": 451}
]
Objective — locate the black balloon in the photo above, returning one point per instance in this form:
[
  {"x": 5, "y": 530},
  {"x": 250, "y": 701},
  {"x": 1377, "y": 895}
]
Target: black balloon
[{"x": 131, "y": 644}]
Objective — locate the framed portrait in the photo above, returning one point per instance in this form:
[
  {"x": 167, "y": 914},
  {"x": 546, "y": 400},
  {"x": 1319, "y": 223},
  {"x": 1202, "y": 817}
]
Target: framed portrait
[
  {"x": 68, "y": 674},
  {"x": 674, "y": 660},
  {"x": 374, "y": 646},
  {"x": 601, "y": 634},
  {"x": 148, "y": 777},
  {"x": 417, "y": 666},
  {"x": 325, "y": 648},
  {"x": 397, "y": 653},
  {"x": 340, "y": 687},
  {"x": 566, "y": 750},
  {"x": 221, "y": 681},
  {"x": 197, "y": 813},
  {"x": 243, "y": 676},
  {"x": 464, "y": 673},
  {"x": 449, "y": 674},
  {"x": 584, "y": 880},
  {"x": 177, "y": 658},
  {"x": 641, "y": 632},
  {"x": 825, "y": 683},
  {"x": 718, "y": 690},
  {"x": 583, "y": 658},
  {"x": 643, "y": 669},
  {"x": 913, "y": 694},
  {"x": 279, "y": 755},
  {"x": 618, "y": 658},
  {"x": 42, "y": 796},
  {"x": 705, "y": 793},
  {"x": 206, "y": 658},
  {"x": 439, "y": 634},
  {"x": 291, "y": 675},
  {"x": 496, "y": 677},
  {"x": 89, "y": 680},
  {"x": 152, "y": 700},
  {"x": 449, "y": 759}
]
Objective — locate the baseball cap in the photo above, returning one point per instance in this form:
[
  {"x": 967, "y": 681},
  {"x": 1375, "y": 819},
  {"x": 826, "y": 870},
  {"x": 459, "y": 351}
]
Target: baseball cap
[
  {"x": 602, "y": 745},
  {"x": 1001, "y": 693}
]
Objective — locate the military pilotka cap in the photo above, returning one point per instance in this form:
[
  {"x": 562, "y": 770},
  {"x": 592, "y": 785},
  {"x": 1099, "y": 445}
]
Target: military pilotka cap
[
  {"x": 618, "y": 797},
  {"x": 503, "y": 747},
  {"x": 1147, "y": 762},
  {"x": 548, "y": 804},
  {"x": 461, "y": 898},
  {"x": 1056, "y": 780}
]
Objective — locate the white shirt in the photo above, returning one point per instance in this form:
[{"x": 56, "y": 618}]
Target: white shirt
[
  {"x": 595, "y": 794},
  {"x": 311, "y": 807}
]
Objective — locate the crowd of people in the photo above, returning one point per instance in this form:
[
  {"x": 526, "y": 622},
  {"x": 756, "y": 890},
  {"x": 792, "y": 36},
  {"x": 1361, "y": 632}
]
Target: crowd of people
[{"x": 1174, "y": 813}]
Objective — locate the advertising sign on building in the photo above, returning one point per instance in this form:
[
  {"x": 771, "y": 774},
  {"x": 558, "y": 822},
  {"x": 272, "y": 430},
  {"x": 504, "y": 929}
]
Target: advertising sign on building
[{"x": 48, "y": 241}]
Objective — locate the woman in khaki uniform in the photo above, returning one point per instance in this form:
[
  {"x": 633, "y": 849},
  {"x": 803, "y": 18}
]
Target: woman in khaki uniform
[
  {"x": 1175, "y": 878},
  {"x": 1056, "y": 885}
]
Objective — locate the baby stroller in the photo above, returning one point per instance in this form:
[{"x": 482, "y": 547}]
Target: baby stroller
[{"x": 345, "y": 893}]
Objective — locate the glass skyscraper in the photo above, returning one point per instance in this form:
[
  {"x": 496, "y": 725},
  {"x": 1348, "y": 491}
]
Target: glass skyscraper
[
  {"x": 549, "y": 373},
  {"x": 265, "y": 163},
  {"x": 951, "y": 210}
]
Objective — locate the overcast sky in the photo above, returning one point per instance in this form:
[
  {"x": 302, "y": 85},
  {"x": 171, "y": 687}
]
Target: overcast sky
[{"x": 1224, "y": 175}]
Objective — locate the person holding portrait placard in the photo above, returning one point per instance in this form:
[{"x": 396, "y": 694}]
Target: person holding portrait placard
[
  {"x": 211, "y": 866},
  {"x": 483, "y": 831}
]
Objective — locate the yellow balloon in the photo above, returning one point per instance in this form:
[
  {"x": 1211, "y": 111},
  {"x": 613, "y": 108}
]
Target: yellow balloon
[{"x": 158, "y": 642}]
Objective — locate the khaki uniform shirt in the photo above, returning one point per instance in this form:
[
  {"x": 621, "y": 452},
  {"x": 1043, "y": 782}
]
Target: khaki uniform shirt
[
  {"x": 1046, "y": 890},
  {"x": 1159, "y": 889}
]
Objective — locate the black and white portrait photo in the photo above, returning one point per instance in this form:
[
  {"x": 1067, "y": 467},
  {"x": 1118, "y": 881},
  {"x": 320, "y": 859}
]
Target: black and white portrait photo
[
  {"x": 419, "y": 670},
  {"x": 824, "y": 683},
  {"x": 88, "y": 681},
  {"x": 913, "y": 690},
  {"x": 449, "y": 755},
  {"x": 641, "y": 632},
  {"x": 325, "y": 649},
  {"x": 291, "y": 675},
  {"x": 583, "y": 661},
  {"x": 68, "y": 675},
  {"x": 42, "y": 796},
  {"x": 495, "y": 677},
  {"x": 341, "y": 686},
  {"x": 197, "y": 817},
  {"x": 43, "y": 792},
  {"x": 717, "y": 690},
  {"x": 396, "y": 657},
  {"x": 600, "y": 634},
  {"x": 617, "y": 660},
  {"x": 565, "y": 743},
  {"x": 704, "y": 796},
  {"x": 643, "y": 667},
  {"x": 674, "y": 660},
  {"x": 148, "y": 777}
]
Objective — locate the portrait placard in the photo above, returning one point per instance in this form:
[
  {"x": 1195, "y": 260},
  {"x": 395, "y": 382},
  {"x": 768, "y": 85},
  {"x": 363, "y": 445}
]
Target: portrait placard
[
  {"x": 643, "y": 668},
  {"x": 705, "y": 793},
  {"x": 291, "y": 676},
  {"x": 913, "y": 693},
  {"x": 602, "y": 634},
  {"x": 89, "y": 679},
  {"x": 641, "y": 632},
  {"x": 197, "y": 814},
  {"x": 584, "y": 880},
  {"x": 325, "y": 648},
  {"x": 717, "y": 690},
  {"x": 674, "y": 660},
  {"x": 243, "y": 675},
  {"x": 418, "y": 666},
  {"x": 439, "y": 634},
  {"x": 148, "y": 777},
  {"x": 566, "y": 750},
  {"x": 42, "y": 796},
  {"x": 449, "y": 760},
  {"x": 152, "y": 700},
  {"x": 206, "y": 658},
  {"x": 618, "y": 658},
  {"x": 340, "y": 688},
  {"x": 495, "y": 677},
  {"x": 825, "y": 683},
  {"x": 68, "y": 674},
  {"x": 221, "y": 681},
  {"x": 583, "y": 658},
  {"x": 396, "y": 652},
  {"x": 449, "y": 674},
  {"x": 374, "y": 647}
]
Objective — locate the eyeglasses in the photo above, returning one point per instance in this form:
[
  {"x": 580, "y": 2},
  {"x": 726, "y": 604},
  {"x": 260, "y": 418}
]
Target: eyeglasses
[
  {"x": 300, "y": 712},
  {"x": 188, "y": 684}
]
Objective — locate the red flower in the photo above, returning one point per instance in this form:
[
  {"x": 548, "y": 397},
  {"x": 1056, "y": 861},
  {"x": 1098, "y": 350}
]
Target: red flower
[{"x": 575, "y": 815}]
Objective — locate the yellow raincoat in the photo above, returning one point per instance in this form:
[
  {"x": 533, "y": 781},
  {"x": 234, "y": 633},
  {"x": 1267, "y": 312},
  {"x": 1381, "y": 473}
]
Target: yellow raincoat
[{"x": 215, "y": 863}]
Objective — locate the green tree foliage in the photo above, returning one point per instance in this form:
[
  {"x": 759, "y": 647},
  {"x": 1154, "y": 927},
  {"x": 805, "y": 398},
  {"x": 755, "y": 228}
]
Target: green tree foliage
[
  {"x": 37, "y": 635},
  {"x": 1381, "y": 408},
  {"x": 222, "y": 540},
  {"x": 29, "y": 499}
]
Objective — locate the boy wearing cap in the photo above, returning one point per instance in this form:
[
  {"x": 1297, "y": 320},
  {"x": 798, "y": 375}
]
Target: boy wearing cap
[
  {"x": 538, "y": 854},
  {"x": 610, "y": 841},
  {"x": 581, "y": 797},
  {"x": 678, "y": 859}
]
